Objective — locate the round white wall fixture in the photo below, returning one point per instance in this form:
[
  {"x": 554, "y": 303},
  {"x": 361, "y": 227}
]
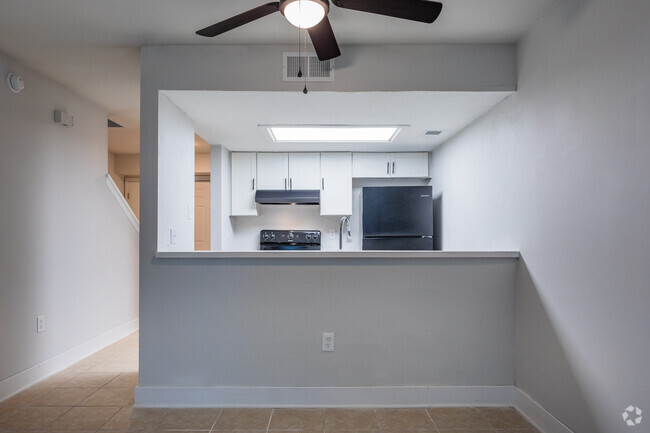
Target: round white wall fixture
[{"x": 15, "y": 82}]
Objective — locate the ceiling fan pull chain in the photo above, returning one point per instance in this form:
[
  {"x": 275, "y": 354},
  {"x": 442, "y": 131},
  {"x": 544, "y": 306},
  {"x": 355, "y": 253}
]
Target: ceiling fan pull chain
[
  {"x": 299, "y": 56},
  {"x": 305, "y": 91}
]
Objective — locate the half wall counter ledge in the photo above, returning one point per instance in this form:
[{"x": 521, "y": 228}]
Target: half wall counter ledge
[{"x": 337, "y": 254}]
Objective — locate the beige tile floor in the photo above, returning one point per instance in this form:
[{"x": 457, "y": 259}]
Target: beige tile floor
[{"x": 96, "y": 395}]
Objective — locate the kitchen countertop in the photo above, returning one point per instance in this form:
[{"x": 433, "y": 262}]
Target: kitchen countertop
[{"x": 337, "y": 254}]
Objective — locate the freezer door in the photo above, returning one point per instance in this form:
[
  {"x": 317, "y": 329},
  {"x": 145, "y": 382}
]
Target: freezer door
[
  {"x": 397, "y": 211},
  {"x": 397, "y": 244}
]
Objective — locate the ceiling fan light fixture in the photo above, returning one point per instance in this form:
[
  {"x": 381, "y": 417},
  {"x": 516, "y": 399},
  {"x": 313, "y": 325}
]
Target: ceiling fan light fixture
[{"x": 304, "y": 14}]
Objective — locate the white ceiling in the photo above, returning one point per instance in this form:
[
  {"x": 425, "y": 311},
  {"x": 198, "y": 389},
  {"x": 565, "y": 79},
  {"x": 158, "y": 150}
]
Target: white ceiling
[
  {"x": 92, "y": 46},
  {"x": 232, "y": 119}
]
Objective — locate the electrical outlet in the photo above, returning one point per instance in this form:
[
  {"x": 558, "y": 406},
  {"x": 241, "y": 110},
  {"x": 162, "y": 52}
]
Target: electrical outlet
[
  {"x": 332, "y": 234},
  {"x": 328, "y": 342},
  {"x": 40, "y": 324}
]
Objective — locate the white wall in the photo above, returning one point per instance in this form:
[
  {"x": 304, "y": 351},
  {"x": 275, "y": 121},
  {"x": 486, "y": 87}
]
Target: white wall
[
  {"x": 128, "y": 165},
  {"x": 66, "y": 249},
  {"x": 175, "y": 178},
  {"x": 220, "y": 185},
  {"x": 115, "y": 175},
  {"x": 560, "y": 172}
]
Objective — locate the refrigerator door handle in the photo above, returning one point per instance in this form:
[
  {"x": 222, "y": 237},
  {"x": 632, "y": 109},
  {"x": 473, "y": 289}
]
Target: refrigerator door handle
[{"x": 397, "y": 237}]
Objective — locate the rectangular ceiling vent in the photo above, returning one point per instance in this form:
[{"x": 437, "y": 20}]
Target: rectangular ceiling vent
[
  {"x": 312, "y": 69},
  {"x": 431, "y": 134}
]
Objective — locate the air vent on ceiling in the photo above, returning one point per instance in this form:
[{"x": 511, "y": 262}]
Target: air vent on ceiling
[
  {"x": 312, "y": 68},
  {"x": 430, "y": 134},
  {"x": 112, "y": 124}
]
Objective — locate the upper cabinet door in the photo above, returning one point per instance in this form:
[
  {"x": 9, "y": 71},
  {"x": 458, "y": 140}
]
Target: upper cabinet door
[
  {"x": 304, "y": 171},
  {"x": 272, "y": 171},
  {"x": 410, "y": 165},
  {"x": 336, "y": 184},
  {"x": 243, "y": 172},
  {"x": 371, "y": 164}
]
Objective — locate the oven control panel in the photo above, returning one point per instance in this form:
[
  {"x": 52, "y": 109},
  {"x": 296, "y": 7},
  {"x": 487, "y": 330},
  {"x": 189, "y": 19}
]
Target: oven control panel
[{"x": 290, "y": 237}]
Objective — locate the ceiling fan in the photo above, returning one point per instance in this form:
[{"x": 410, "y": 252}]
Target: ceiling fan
[{"x": 312, "y": 15}]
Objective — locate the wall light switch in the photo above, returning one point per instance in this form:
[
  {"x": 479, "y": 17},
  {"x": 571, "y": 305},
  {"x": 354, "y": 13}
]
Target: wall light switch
[{"x": 40, "y": 324}]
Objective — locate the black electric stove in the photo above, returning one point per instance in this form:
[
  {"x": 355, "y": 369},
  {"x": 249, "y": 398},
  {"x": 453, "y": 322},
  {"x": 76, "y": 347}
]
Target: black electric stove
[{"x": 290, "y": 240}]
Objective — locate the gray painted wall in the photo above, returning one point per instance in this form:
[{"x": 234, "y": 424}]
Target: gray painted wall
[
  {"x": 67, "y": 251},
  {"x": 258, "y": 323},
  {"x": 560, "y": 172},
  {"x": 207, "y": 323}
]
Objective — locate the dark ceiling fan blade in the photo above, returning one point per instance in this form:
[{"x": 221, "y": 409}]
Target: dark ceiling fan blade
[
  {"x": 324, "y": 41},
  {"x": 239, "y": 20},
  {"x": 414, "y": 10}
]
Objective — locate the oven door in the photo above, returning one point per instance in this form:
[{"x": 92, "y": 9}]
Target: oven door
[{"x": 289, "y": 247}]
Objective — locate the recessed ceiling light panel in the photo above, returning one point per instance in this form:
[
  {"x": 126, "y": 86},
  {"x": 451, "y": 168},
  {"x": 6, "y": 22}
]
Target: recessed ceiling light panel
[{"x": 332, "y": 133}]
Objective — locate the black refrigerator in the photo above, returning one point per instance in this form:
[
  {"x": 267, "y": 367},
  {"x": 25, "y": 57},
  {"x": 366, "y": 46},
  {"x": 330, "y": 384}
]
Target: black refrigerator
[{"x": 397, "y": 218}]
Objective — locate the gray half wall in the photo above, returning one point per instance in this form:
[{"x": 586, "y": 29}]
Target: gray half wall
[{"x": 258, "y": 323}]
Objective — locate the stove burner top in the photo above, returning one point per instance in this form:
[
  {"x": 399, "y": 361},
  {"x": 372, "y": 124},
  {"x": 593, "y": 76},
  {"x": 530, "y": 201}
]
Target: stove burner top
[{"x": 290, "y": 240}]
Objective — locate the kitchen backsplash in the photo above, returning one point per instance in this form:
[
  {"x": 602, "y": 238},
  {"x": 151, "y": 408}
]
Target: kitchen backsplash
[{"x": 246, "y": 229}]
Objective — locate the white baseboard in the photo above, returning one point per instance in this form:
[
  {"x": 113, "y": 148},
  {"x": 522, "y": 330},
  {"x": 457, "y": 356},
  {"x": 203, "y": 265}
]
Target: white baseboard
[
  {"x": 537, "y": 415},
  {"x": 371, "y": 396},
  {"x": 28, "y": 377}
]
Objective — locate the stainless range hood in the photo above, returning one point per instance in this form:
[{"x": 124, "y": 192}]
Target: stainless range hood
[{"x": 295, "y": 197}]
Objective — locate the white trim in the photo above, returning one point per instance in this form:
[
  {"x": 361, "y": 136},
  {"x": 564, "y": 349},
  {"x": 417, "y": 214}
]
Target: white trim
[
  {"x": 122, "y": 202},
  {"x": 537, "y": 415},
  {"x": 370, "y": 396},
  {"x": 26, "y": 378}
]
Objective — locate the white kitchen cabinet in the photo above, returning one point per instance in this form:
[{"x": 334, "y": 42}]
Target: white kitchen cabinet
[
  {"x": 390, "y": 165},
  {"x": 285, "y": 171},
  {"x": 371, "y": 164},
  {"x": 336, "y": 184},
  {"x": 304, "y": 171},
  {"x": 273, "y": 171},
  {"x": 243, "y": 178},
  {"x": 414, "y": 164}
]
